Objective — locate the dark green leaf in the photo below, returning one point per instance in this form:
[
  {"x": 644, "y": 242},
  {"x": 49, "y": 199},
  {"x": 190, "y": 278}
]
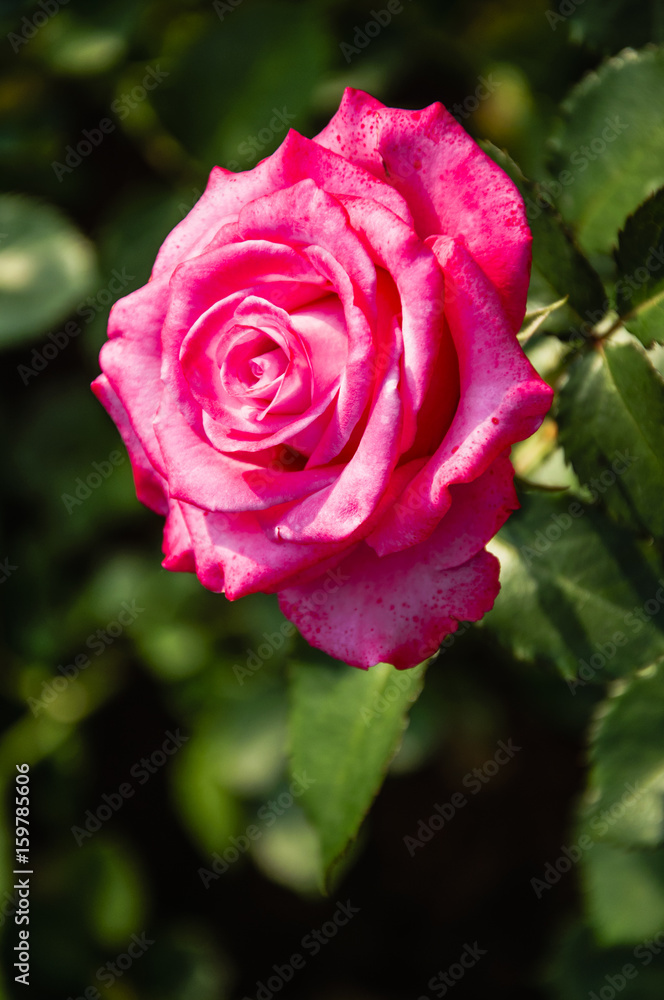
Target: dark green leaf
[
  {"x": 571, "y": 583},
  {"x": 640, "y": 259},
  {"x": 611, "y": 419},
  {"x": 609, "y": 151},
  {"x": 345, "y": 727}
]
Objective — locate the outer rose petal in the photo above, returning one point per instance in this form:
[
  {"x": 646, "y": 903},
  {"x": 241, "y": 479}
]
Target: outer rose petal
[
  {"x": 178, "y": 546},
  {"x": 151, "y": 488},
  {"x": 391, "y": 610},
  {"x": 233, "y": 554},
  {"x": 354, "y": 131},
  {"x": 297, "y": 159},
  {"x": 502, "y": 399},
  {"x": 450, "y": 185},
  {"x": 131, "y": 360},
  {"x": 477, "y": 511}
]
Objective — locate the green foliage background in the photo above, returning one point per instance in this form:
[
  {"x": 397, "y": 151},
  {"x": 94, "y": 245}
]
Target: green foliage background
[{"x": 553, "y": 864}]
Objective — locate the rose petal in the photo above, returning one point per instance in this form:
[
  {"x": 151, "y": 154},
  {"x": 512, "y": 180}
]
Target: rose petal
[
  {"x": 131, "y": 360},
  {"x": 198, "y": 474},
  {"x": 502, "y": 399},
  {"x": 226, "y": 193},
  {"x": 234, "y": 554},
  {"x": 354, "y": 131},
  {"x": 415, "y": 271},
  {"x": 391, "y": 610},
  {"x": 230, "y": 272},
  {"x": 339, "y": 510},
  {"x": 177, "y": 547},
  {"x": 151, "y": 488},
  {"x": 477, "y": 511},
  {"x": 450, "y": 185}
]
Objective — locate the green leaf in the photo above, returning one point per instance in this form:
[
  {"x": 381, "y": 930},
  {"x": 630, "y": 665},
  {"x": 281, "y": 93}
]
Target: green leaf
[
  {"x": 626, "y": 791},
  {"x": 611, "y": 420},
  {"x": 579, "y": 967},
  {"x": 571, "y": 583},
  {"x": 345, "y": 727},
  {"x": 555, "y": 255},
  {"x": 609, "y": 150},
  {"x": 640, "y": 260},
  {"x": 46, "y": 267},
  {"x": 624, "y": 893}
]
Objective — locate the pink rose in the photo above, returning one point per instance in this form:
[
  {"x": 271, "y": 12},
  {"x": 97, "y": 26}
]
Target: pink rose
[{"x": 320, "y": 384}]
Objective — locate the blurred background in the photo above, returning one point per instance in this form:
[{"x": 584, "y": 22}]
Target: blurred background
[{"x": 119, "y": 675}]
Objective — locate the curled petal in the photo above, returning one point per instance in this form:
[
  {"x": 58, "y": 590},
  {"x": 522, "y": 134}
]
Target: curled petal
[
  {"x": 450, "y": 185},
  {"x": 502, "y": 399}
]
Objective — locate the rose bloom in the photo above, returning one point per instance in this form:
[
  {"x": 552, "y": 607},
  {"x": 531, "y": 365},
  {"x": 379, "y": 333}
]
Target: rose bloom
[{"x": 320, "y": 384}]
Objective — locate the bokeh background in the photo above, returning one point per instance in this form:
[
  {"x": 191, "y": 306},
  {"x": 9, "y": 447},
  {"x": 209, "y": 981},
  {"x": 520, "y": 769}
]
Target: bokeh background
[{"x": 167, "y": 89}]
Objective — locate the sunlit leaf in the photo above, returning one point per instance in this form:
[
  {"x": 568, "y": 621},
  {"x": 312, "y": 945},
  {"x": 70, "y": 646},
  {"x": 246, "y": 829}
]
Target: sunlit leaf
[
  {"x": 624, "y": 893},
  {"x": 611, "y": 418},
  {"x": 609, "y": 150},
  {"x": 625, "y": 801},
  {"x": 572, "y": 586},
  {"x": 345, "y": 728}
]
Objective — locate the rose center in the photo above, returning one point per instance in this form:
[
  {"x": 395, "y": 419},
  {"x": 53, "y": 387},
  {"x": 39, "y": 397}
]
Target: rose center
[{"x": 254, "y": 365}]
